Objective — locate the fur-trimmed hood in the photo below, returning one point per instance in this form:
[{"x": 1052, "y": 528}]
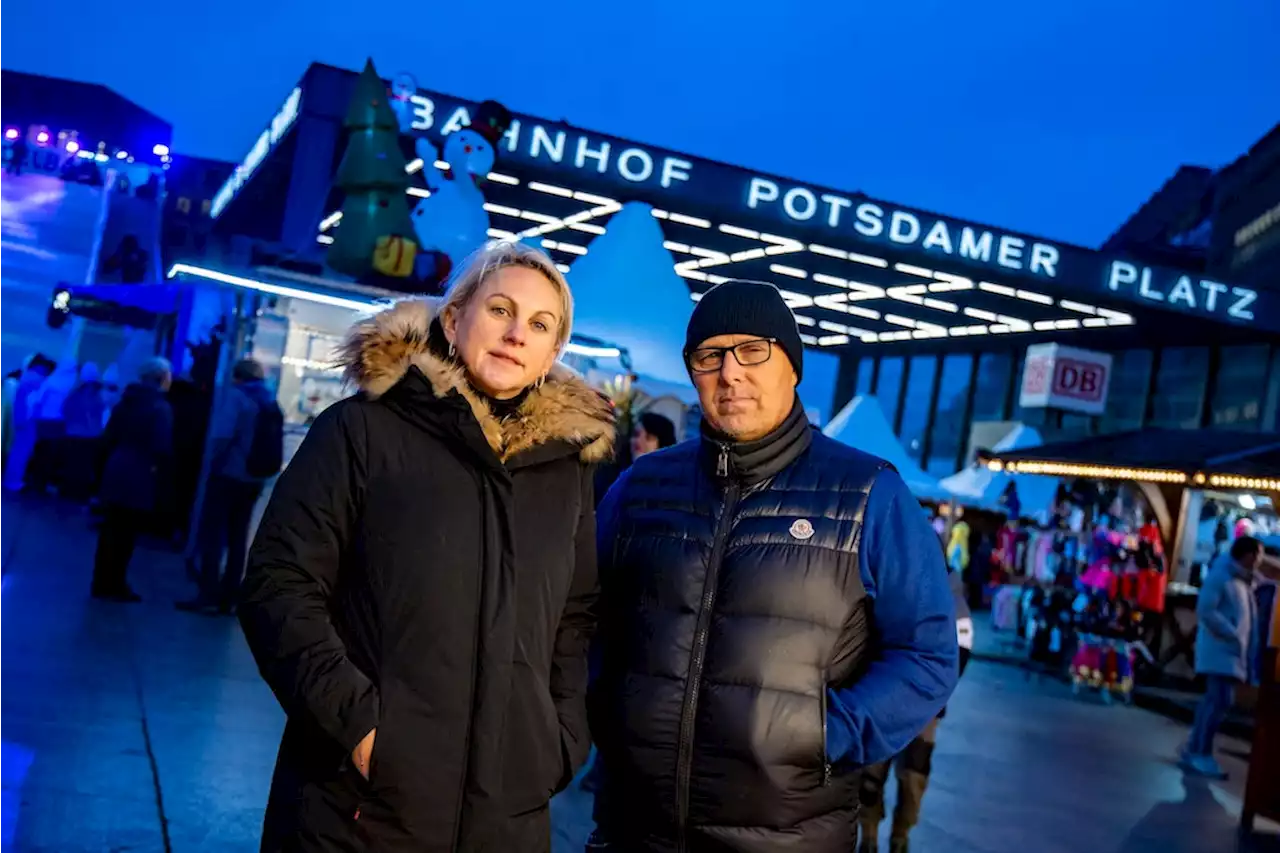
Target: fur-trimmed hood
[{"x": 379, "y": 351}]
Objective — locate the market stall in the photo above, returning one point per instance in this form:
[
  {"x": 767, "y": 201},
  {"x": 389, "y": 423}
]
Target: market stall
[{"x": 1165, "y": 475}]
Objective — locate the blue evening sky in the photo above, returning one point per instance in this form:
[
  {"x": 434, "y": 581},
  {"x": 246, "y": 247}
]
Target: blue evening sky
[{"x": 1055, "y": 118}]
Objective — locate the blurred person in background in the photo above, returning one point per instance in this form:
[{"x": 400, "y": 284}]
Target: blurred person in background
[
  {"x": 111, "y": 387},
  {"x": 421, "y": 588},
  {"x": 138, "y": 443},
  {"x": 651, "y": 432},
  {"x": 1227, "y": 637},
  {"x": 46, "y": 407},
  {"x": 22, "y": 443},
  {"x": 246, "y": 448},
  {"x": 129, "y": 260},
  {"x": 84, "y": 412}
]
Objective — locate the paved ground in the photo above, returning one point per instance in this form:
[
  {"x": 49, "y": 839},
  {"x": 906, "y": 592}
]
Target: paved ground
[{"x": 139, "y": 728}]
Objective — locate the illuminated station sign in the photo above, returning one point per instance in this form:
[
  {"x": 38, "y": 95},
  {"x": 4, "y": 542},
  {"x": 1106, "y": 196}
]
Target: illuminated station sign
[{"x": 854, "y": 269}]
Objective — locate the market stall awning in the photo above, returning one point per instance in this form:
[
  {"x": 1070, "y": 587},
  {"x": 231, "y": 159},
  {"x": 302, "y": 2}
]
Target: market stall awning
[
  {"x": 862, "y": 424},
  {"x": 1223, "y": 459},
  {"x": 981, "y": 487}
]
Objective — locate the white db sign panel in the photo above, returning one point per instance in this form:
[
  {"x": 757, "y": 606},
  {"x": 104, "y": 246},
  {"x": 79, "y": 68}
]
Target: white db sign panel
[{"x": 1058, "y": 377}]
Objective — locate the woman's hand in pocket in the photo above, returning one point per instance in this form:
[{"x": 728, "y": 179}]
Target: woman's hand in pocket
[{"x": 361, "y": 755}]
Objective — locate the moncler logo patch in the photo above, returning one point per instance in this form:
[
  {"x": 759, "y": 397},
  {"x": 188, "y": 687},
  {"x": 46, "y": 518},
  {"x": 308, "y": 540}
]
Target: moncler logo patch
[{"x": 801, "y": 528}]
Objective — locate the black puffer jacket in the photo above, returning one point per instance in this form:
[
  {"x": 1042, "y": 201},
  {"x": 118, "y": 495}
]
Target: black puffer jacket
[
  {"x": 428, "y": 570},
  {"x": 734, "y": 599}
]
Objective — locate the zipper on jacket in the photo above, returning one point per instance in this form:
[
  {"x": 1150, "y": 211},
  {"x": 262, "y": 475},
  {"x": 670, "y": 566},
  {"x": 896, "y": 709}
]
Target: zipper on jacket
[
  {"x": 722, "y": 462},
  {"x": 475, "y": 678},
  {"x": 822, "y": 709},
  {"x": 684, "y": 755}
]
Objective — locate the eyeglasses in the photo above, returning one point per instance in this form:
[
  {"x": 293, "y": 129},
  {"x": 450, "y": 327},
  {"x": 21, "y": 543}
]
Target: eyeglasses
[{"x": 747, "y": 354}]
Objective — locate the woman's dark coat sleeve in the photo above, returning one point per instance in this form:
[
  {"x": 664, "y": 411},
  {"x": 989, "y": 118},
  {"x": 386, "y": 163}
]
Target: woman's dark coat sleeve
[
  {"x": 293, "y": 568},
  {"x": 573, "y": 637}
]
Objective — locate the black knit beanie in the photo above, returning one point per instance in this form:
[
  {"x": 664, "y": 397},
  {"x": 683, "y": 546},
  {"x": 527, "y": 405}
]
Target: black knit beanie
[{"x": 746, "y": 308}]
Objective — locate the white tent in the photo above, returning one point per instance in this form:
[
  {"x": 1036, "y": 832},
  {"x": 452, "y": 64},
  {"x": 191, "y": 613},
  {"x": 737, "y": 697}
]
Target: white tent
[
  {"x": 626, "y": 292},
  {"x": 979, "y": 486},
  {"x": 862, "y": 424}
]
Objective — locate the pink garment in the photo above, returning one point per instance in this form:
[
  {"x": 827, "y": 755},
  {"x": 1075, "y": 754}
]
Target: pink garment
[
  {"x": 1098, "y": 575},
  {"x": 1045, "y": 569}
]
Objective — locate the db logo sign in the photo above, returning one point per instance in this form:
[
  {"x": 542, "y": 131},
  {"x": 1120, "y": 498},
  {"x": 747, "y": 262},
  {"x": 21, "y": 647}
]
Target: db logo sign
[
  {"x": 1059, "y": 377},
  {"x": 1079, "y": 380}
]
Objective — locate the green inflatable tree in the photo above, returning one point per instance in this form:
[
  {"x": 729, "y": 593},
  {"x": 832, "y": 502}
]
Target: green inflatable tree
[{"x": 375, "y": 213}]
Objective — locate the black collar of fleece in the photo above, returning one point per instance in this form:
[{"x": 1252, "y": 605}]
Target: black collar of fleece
[{"x": 379, "y": 352}]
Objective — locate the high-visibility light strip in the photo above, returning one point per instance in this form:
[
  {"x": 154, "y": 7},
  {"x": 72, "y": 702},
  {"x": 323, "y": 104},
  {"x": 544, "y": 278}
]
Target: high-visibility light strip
[
  {"x": 911, "y": 269},
  {"x": 513, "y": 212},
  {"x": 808, "y": 339},
  {"x": 783, "y": 242},
  {"x": 1241, "y": 481},
  {"x": 550, "y": 189},
  {"x": 310, "y": 364},
  {"x": 818, "y": 249},
  {"x": 571, "y": 248},
  {"x": 997, "y": 288},
  {"x": 592, "y": 352},
  {"x": 868, "y": 260},
  {"x": 1078, "y": 307},
  {"x": 324, "y": 238},
  {"x": 331, "y": 220},
  {"x": 793, "y": 272},
  {"x": 1097, "y": 472},
  {"x": 276, "y": 289},
  {"x": 689, "y": 220},
  {"x": 1032, "y": 296}
]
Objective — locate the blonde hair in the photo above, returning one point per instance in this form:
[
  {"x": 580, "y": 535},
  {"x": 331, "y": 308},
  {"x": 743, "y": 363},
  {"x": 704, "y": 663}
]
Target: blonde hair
[{"x": 501, "y": 254}]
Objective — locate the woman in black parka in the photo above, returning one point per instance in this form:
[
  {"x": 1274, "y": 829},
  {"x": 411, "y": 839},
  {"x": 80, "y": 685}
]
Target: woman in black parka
[{"x": 421, "y": 590}]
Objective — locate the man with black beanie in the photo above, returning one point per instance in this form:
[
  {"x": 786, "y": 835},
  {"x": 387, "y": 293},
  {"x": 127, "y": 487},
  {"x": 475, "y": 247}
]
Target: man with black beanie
[{"x": 776, "y": 612}]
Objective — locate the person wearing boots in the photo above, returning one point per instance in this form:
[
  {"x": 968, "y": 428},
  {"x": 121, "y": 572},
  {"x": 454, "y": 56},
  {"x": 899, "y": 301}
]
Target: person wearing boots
[
  {"x": 137, "y": 478},
  {"x": 914, "y": 764},
  {"x": 246, "y": 448},
  {"x": 775, "y": 612}
]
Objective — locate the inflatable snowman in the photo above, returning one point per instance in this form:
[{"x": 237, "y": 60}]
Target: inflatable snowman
[{"x": 452, "y": 222}]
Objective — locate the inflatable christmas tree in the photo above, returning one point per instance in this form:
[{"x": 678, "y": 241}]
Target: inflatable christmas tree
[{"x": 375, "y": 237}]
